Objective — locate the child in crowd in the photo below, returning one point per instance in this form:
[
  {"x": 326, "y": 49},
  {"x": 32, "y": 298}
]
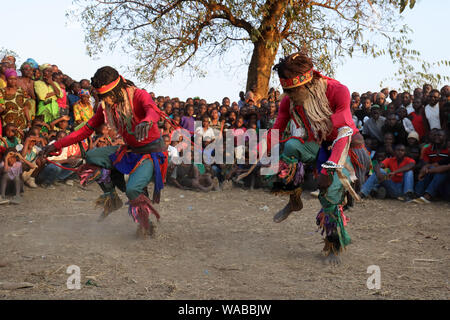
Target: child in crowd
[{"x": 11, "y": 170}]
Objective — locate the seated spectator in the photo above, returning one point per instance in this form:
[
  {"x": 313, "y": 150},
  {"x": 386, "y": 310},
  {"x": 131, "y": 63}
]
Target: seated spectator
[
  {"x": 61, "y": 124},
  {"x": 83, "y": 110},
  {"x": 413, "y": 141},
  {"x": 398, "y": 182},
  {"x": 11, "y": 134},
  {"x": 430, "y": 178},
  {"x": 52, "y": 174},
  {"x": 11, "y": 170},
  {"x": 372, "y": 127},
  {"x": 29, "y": 152},
  {"x": 394, "y": 126},
  {"x": 445, "y": 112},
  {"x": 388, "y": 143}
]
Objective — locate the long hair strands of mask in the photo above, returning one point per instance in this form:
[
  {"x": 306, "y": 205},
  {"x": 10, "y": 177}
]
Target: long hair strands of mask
[
  {"x": 312, "y": 96},
  {"x": 121, "y": 113}
]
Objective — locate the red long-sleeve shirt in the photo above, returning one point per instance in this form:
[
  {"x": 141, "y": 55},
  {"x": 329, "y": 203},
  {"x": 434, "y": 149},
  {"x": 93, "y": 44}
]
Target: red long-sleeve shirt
[
  {"x": 339, "y": 100},
  {"x": 143, "y": 110}
]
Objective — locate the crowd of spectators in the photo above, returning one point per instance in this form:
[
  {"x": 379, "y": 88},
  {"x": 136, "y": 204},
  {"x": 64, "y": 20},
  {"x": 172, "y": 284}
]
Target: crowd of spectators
[{"x": 406, "y": 134}]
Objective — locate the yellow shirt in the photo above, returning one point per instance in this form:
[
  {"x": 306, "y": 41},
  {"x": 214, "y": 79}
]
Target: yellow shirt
[
  {"x": 42, "y": 89},
  {"x": 82, "y": 112}
]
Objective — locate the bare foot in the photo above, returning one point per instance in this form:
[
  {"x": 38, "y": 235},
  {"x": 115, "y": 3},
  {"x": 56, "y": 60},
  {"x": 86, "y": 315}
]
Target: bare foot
[
  {"x": 333, "y": 260},
  {"x": 142, "y": 233}
]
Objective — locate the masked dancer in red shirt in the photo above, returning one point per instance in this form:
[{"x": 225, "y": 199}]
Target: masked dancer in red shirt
[
  {"x": 132, "y": 113},
  {"x": 320, "y": 108}
]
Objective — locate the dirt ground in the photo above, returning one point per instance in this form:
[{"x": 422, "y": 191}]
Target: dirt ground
[{"x": 220, "y": 245}]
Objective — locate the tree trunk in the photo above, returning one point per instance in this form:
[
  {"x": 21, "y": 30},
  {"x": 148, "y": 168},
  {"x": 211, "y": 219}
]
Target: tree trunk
[
  {"x": 265, "y": 49},
  {"x": 260, "y": 69}
]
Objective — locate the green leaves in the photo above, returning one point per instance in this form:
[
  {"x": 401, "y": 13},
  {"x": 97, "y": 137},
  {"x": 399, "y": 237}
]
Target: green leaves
[{"x": 162, "y": 36}]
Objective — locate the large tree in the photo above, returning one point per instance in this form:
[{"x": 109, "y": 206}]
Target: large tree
[{"x": 163, "y": 35}]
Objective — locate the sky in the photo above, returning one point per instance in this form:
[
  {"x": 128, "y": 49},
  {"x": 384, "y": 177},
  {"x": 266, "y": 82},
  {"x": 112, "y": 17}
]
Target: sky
[{"x": 44, "y": 33}]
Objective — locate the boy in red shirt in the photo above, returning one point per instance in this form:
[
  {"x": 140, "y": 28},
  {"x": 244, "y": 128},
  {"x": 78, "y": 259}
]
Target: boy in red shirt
[{"x": 400, "y": 179}]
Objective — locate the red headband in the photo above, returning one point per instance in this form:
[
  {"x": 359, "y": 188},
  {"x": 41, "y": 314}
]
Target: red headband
[
  {"x": 108, "y": 87},
  {"x": 298, "y": 80}
]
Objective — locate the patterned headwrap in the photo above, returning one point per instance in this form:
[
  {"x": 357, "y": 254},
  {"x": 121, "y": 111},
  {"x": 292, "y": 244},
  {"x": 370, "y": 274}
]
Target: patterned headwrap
[
  {"x": 10, "y": 73},
  {"x": 10, "y": 59},
  {"x": 84, "y": 92},
  {"x": 44, "y": 66},
  {"x": 31, "y": 62}
]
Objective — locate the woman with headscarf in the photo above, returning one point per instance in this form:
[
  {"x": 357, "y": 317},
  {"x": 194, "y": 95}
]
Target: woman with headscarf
[
  {"x": 16, "y": 105},
  {"x": 26, "y": 82},
  {"x": 132, "y": 113},
  {"x": 83, "y": 110},
  {"x": 47, "y": 91},
  {"x": 330, "y": 141}
]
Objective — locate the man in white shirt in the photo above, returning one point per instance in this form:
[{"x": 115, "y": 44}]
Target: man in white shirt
[
  {"x": 432, "y": 110},
  {"x": 407, "y": 102}
]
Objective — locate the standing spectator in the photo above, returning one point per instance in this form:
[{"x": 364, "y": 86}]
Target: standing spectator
[
  {"x": 26, "y": 82},
  {"x": 380, "y": 99},
  {"x": 363, "y": 112},
  {"x": 395, "y": 127},
  {"x": 47, "y": 91},
  {"x": 393, "y": 95},
  {"x": 398, "y": 182},
  {"x": 426, "y": 89},
  {"x": 204, "y": 132},
  {"x": 215, "y": 122},
  {"x": 406, "y": 102},
  {"x": 417, "y": 118},
  {"x": 188, "y": 121},
  {"x": 62, "y": 102},
  {"x": 241, "y": 101},
  {"x": 73, "y": 98},
  {"x": 432, "y": 110},
  {"x": 16, "y": 105},
  {"x": 403, "y": 118},
  {"x": 372, "y": 127}
]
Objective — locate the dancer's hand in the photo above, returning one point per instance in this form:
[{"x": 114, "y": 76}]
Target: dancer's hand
[
  {"x": 50, "y": 148},
  {"x": 141, "y": 130},
  {"x": 324, "y": 181}
]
